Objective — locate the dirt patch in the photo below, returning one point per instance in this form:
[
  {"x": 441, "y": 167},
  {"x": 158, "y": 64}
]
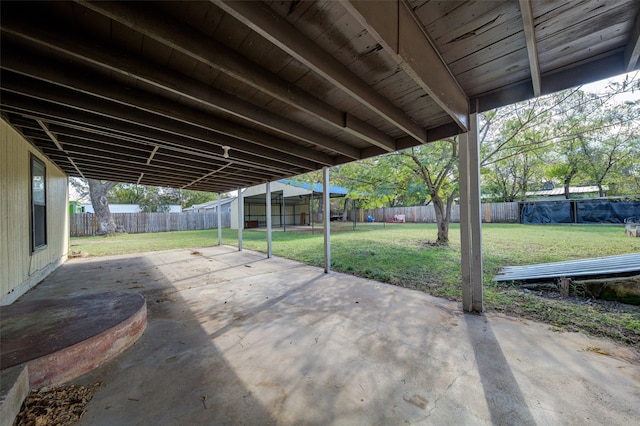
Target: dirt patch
[{"x": 56, "y": 406}]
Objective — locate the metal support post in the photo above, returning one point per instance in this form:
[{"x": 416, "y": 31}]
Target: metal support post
[
  {"x": 240, "y": 218},
  {"x": 219, "y": 219},
  {"x": 327, "y": 220},
  {"x": 268, "y": 206}
]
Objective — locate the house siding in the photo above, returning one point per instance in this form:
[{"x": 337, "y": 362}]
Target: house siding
[{"x": 19, "y": 268}]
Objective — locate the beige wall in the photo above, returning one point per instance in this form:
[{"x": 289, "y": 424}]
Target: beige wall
[{"x": 19, "y": 268}]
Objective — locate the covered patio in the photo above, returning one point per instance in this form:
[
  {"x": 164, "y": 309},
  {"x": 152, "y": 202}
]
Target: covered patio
[
  {"x": 224, "y": 95},
  {"x": 234, "y": 338}
]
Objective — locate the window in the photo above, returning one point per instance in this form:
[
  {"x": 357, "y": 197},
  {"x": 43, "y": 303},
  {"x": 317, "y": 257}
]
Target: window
[{"x": 38, "y": 204}]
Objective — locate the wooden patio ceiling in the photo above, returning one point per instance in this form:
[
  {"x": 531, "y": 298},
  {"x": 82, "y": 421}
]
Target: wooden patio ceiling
[{"x": 218, "y": 95}]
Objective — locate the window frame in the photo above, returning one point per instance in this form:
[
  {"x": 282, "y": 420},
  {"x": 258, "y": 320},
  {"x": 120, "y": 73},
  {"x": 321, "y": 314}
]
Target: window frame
[{"x": 38, "y": 204}]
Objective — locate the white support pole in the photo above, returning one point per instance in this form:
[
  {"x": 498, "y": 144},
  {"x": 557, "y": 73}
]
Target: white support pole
[
  {"x": 470, "y": 219},
  {"x": 219, "y": 219},
  {"x": 240, "y": 218},
  {"x": 326, "y": 219},
  {"x": 268, "y": 207},
  {"x": 283, "y": 213}
]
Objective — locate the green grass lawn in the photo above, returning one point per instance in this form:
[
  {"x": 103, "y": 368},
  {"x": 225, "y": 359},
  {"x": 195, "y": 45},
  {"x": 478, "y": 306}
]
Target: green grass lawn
[{"x": 403, "y": 254}]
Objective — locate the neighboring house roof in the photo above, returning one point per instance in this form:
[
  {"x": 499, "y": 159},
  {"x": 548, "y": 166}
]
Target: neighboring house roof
[
  {"x": 317, "y": 188},
  {"x": 210, "y": 204},
  {"x": 560, "y": 191}
]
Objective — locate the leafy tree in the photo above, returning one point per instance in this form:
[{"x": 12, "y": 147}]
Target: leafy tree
[
  {"x": 615, "y": 148},
  {"x": 153, "y": 199},
  {"x": 189, "y": 197},
  {"x": 521, "y": 145},
  {"x": 375, "y": 182},
  {"x": 127, "y": 193},
  {"x": 436, "y": 165},
  {"x": 560, "y": 137}
]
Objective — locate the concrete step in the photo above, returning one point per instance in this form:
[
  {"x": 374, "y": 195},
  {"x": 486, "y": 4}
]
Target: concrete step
[
  {"x": 62, "y": 338},
  {"x": 14, "y": 388}
]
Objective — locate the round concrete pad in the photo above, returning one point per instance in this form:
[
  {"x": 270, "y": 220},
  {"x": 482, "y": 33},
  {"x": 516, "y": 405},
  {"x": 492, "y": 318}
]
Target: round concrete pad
[{"x": 41, "y": 333}]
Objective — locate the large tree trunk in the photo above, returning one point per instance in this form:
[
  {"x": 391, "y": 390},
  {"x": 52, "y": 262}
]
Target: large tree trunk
[
  {"x": 320, "y": 209},
  {"x": 567, "y": 188},
  {"x": 567, "y": 183},
  {"x": 442, "y": 219},
  {"x": 98, "y": 193},
  {"x": 344, "y": 211}
]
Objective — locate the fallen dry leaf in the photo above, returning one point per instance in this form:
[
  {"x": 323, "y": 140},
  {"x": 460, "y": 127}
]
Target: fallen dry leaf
[{"x": 56, "y": 406}]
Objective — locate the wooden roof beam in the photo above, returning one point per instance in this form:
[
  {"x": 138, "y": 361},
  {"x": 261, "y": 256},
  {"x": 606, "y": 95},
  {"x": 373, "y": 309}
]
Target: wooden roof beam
[
  {"x": 606, "y": 66},
  {"x": 206, "y": 176},
  {"x": 632, "y": 51},
  {"x": 102, "y": 140},
  {"x": 229, "y": 134},
  {"x": 262, "y": 19},
  {"x": 192, "y": 140},
  {"x": 183, "y": 38},
  {"x": 111, "y": 136},
  {"x": 394, "y": 25},
  {"x": 166, "y": 157},
  {"x": 81, "y": 50},
  {"x": 54, "y": 139},
  {"x": 51, "y": 136},
  {"x": 181, "y": 179},
  {"x": 75, "y": 146},
  {"x": 155, "y": 149},
  {"x": 532, "y": 48}
]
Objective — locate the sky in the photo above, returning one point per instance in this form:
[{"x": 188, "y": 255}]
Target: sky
[{"x": 601, "y": 86}]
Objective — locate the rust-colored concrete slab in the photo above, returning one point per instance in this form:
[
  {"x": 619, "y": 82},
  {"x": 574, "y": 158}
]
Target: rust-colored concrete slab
[{"x": 61, "y": 338}]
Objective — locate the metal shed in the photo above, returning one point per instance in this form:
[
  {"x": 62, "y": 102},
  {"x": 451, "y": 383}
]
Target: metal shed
[{"x": 292, "y": 203}]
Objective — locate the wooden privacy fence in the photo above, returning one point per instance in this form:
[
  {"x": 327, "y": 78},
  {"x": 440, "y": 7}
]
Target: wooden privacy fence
[
  {"x": 83, "y": 224},
  {"x": 491, "y": 212}
]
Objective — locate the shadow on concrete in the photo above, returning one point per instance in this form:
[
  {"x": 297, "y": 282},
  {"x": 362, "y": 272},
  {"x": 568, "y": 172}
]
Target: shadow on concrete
[
  {"x": 274, "y": 341},
  {"x": 174, "y": 374},
  {"x": 507, "y": 405}
]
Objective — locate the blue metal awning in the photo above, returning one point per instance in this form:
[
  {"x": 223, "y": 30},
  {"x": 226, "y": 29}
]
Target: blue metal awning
[{"x": 334, "y": 190}]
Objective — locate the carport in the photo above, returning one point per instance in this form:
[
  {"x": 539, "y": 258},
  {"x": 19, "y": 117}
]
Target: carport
[
  {"x": 292, "y": 203},
  {"x": 220, "y": 95}
]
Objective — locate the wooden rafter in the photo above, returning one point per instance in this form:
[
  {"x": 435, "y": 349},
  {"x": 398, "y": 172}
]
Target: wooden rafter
[
  {"x": 174, "y": 83},
  {"x": 192, "y": 139},
  {"x": 235, "y": 136},
  {"x": 276, "y": 29},
  {"x": 56, "y": 142},
  {"x": 396, "y": 28},
  {"x": 208, "y": 51},
  {"x": 632, "y": 51},
  {"x": 532, "y": 49}
]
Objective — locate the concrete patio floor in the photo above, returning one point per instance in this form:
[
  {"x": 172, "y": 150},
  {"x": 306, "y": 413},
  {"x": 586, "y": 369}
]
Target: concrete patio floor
[{"x": 234, "y": 338}]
